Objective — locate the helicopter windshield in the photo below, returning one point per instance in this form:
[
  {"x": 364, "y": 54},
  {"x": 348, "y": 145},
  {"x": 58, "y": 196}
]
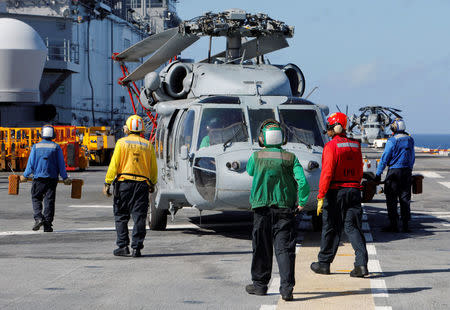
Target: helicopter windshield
[
  {"x": 257, "y": 117},
  {"x": 220, "y": 125},
  {"x": 301, "y": 126}
]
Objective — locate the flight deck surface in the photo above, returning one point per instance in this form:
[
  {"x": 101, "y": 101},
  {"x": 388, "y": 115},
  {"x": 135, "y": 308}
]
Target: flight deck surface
[{"x": 207, "y": 265}]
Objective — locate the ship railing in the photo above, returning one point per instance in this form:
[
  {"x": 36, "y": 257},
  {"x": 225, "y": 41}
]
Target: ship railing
[{"x": 62, "y": 50}]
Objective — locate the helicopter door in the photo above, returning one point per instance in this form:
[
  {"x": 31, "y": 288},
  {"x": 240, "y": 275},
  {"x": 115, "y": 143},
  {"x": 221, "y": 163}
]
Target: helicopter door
[
  {"x": 169, "y": 150},
  {"x": 184, "y": 139}
]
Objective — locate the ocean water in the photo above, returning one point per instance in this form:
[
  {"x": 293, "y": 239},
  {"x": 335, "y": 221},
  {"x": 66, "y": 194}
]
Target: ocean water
[{"x": 432, "y": 141}]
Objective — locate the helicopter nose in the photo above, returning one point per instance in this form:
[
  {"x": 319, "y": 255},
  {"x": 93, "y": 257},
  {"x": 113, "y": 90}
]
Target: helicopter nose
[{"x": 233, "y": 183}]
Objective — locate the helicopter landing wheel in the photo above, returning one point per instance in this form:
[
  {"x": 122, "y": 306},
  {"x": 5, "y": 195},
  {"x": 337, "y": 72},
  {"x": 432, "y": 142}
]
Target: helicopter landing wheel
[{"x": 157, "y": 217}]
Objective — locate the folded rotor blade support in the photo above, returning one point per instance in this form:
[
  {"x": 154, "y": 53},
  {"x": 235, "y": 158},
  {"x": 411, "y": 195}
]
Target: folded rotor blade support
[
  {"x": 259, "y": 46},
  {"x": 135, "y": 90}
]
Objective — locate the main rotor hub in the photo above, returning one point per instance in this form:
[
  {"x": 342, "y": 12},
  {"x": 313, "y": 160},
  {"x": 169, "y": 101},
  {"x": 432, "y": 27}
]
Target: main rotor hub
[{"x": 235, "y": 22}]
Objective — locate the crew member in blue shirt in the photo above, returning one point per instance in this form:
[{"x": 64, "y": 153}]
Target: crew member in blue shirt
[
  {"x": 399, "y": 156},
  {"x": 46, "y": 162}
]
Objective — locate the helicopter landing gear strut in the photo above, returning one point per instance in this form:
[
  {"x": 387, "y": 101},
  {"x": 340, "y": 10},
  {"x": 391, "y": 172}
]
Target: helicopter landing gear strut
[{"x": 172, "y": 211}]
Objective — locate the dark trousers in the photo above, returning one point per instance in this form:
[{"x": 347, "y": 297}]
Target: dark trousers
[
  {"x": 342, "y": 211},
  {"x": 44, "y": 189},
  {"x": 274, "y": 228},
  {"x": 130, "y": 197},
  {"x": 398, "y": 187}
]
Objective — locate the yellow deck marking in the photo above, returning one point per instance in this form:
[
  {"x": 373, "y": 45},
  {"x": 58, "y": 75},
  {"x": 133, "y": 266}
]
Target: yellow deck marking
[{"x": 335, "y": 291}]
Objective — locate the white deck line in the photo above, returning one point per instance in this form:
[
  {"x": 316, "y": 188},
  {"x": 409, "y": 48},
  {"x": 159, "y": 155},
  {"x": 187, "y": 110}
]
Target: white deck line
[
  {"x": 91, "y": 206},
  {"x": 365, "y": 226},
  {"x": 268, "y": 307},
  {"x": 378, "y": 286},
  {"x": 371, "y": 249},
  {"x": 429, "y": 216},
  {"x": 429, "y": 174},
  {"x": 446, "y": 184},
  {"x": 73, "y": 230},
  {"x": 274, "y": 285},
  {"x": 374, "y": 266},
  {"x": 433, "y": 212}
]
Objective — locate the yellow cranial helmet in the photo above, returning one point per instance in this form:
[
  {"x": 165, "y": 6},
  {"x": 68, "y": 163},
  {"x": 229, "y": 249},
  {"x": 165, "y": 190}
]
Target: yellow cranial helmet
[{"x": 135, "y": 123}]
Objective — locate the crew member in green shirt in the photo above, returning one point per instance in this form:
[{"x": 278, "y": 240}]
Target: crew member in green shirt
[
  {"x": 214, "y": 123},
  {"x": 279, "y": 187}
]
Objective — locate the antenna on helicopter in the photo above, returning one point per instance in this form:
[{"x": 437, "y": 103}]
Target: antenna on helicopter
[{"x": 315, "y": 87}]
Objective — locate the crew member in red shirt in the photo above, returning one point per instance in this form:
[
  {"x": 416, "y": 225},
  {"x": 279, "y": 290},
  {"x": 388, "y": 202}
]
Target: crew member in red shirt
[{"x": 340, "y": 197}]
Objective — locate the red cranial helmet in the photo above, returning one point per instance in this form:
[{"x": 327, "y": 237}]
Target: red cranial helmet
[{"x": 337, "y": 118}]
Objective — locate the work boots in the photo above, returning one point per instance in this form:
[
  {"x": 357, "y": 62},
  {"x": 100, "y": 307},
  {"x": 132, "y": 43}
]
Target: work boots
[
  {"x": 359, "y": 272},
  {"x": 253, "y": 290},
  {"x": 287, "y": 295},
  {"x": 136, "y": 253},
  {"x": 37, "y": 225},
  {"x": 123, "y": 251},
  {"x": 48, "y": 227},
  {"x": 320, "y": 268}
]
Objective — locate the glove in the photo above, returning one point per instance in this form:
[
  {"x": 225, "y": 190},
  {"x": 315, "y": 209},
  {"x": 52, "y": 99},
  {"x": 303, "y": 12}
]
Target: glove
[
  {"x": 106, "y": 191},
  {"x": 377, "y": 178},
  {"x": 319, "y": 206},
  {"x": 151, "y": 188},
  {"x": 67, "y": 181},
  {"x": 22, "y": 179}
]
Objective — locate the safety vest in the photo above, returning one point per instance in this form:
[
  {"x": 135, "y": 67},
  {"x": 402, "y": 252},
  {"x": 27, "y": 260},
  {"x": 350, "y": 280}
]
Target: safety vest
[
  {"x": 342, "y": 164},
  {"x": 133, "y": 159},
  {"x": 349, "y": 167},
  {"x": 277, "y": 177}
]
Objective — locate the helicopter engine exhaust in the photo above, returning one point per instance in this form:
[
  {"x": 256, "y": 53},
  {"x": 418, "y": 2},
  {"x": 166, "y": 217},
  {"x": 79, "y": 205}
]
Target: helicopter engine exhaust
[
  {"x": 296, "y": 79},
  {"x": 178, "y": 80}
]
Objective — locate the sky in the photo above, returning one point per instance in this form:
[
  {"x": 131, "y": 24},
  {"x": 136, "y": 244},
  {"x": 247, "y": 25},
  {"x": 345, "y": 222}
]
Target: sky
[{"x": 393, "y": 53}]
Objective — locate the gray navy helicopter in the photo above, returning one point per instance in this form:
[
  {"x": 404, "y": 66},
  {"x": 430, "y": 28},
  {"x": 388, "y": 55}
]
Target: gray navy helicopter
[
  {"x": 372, "y": 122},
  {"x": 210, "y": 112}
]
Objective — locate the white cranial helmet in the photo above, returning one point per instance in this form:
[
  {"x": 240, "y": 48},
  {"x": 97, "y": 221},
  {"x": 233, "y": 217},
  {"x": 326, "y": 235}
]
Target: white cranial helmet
[{"x": 48, "y": 132}]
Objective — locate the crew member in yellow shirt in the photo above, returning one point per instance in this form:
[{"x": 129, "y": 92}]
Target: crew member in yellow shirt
[{"x": 134, "y": 172}]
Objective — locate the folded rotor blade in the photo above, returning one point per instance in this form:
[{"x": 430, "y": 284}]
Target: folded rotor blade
[
  {"x": 173, "y": 47},
  {"x": 260, "y": 46},
  {"x": 147, "y": 46}
]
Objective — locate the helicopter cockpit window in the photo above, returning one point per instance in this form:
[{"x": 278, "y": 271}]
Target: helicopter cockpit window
[
  {"x": 218, "y": 126},
  {"x": 301, "y": 126},
  {"x": 186, "y": 129},
  {"x": 257, "y": 117}
]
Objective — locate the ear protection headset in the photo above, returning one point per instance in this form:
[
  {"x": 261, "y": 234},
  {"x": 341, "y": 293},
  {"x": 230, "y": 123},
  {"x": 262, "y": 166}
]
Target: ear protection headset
[
  {"x": 337, "y": 128},
  {"x": 270, "y": 123},
  {"x": 48, "y": 132},
  {"x": 337, "y": 122},
  {"x": 398, "y": 125}
]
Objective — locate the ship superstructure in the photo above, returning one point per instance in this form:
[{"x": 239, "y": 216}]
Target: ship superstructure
[{"x": 79, "y": 81}]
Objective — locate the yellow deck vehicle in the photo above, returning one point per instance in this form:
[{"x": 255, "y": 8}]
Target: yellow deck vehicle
[
  {"x": 16, "y": 143},
  {"x": 15, "y": 146},
  {"x": 98, "y": 143}
]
